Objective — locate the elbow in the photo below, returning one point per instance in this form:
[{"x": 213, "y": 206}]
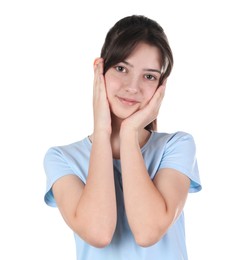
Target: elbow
[
  {"x": 96, "y": 238},
  {"x": 151, "y": 233},
  {"x": 147, "y": 241},
  {"x": 95, "y": 234},
  {"x": 150, "y": 237},
  {"x": 99, "y": 242}
]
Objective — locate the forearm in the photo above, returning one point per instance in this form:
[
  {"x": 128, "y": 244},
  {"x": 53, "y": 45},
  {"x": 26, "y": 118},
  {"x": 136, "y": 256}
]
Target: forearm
[
  {"x": 145, "y": 206},
  {"x": 97, "y": 205}
]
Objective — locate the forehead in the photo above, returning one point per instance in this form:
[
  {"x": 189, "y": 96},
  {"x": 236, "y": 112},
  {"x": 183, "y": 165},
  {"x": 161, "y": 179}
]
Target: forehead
[{"x": 145, "y": 54}]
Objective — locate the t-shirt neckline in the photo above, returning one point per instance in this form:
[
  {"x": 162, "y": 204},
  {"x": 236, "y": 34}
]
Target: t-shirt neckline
[{"x": 143, "y": 148}]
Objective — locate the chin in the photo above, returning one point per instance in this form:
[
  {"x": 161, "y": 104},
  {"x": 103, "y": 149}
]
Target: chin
[
  {"x": 123, "y": 112},
  {"x": 121, "y": 115}
]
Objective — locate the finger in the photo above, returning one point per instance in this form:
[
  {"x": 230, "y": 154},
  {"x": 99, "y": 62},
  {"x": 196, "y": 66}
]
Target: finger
[
  {"x": 162, "y": 87},
  {"x": 97, "y": 61},
  {"x": 162, "y": 91},
  {"x": 98, "y": 70},
  {"x": 156, "y": 100},
  {"x": 159, "y": 94},
  {"x": 99, "y": 82},
  {"x": 98, "y": 67},
  {"x": 165, "y": 82}
]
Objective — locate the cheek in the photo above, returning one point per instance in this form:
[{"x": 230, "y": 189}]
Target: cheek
[
  {"x": 149, "y": 93},
  {"x": 112, "y": 83}
]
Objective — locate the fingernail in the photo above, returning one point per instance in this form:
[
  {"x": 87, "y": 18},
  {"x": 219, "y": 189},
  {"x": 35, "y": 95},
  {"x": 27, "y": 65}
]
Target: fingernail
[{"x": 96, "y": 61}]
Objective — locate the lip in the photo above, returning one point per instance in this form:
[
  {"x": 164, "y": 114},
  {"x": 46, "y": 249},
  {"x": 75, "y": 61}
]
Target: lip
[{"x": 128, "y": 101}]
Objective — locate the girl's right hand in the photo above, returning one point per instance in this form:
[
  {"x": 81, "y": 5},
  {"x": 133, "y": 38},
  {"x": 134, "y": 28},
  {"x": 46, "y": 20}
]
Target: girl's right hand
[{"x": 102, "y": 117}]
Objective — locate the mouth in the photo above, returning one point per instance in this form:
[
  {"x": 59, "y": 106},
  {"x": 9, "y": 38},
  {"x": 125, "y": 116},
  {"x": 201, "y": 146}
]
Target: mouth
[{"x": 127, "y": 101}]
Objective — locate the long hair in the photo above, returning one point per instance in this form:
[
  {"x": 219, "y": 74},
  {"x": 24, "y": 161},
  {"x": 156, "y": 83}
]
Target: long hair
[{"x": 126, "y": 34}]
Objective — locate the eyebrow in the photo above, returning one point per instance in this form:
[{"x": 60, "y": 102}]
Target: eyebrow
[{"x": 151, "y": 70}]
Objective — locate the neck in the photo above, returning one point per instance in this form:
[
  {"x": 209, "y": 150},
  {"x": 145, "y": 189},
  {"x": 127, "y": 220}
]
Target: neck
[
  {"x": 115, "y": 140},
  {"x": 143, "y": 137}
]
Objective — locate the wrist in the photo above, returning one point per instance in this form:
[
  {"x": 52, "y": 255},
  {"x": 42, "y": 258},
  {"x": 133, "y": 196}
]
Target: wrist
[
  {"x": 128, "y": 133},
  {"x": 127, "y": 128},
  {"x": 101, "y": 134}
]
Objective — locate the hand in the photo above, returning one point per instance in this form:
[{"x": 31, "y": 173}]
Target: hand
[
  {"x": 146, "y": 115},
  {"x": 102, "y": 117}
]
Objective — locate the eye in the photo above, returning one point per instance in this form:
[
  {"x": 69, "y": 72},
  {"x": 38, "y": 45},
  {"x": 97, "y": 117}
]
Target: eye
[
  {"x": 150, "y": 77},
  {"x": 120, "y": 68}
]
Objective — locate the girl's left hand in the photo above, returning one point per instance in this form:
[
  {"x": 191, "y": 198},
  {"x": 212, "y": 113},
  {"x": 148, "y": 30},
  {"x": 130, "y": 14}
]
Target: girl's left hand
[{"x": 146, "y": 115}]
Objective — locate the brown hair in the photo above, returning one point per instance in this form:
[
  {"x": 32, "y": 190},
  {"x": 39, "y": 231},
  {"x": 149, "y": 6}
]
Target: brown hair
[{"x": 126, "y": 34}]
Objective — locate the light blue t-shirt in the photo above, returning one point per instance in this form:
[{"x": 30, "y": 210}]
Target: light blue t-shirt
[{"x": 162, "y": 150}]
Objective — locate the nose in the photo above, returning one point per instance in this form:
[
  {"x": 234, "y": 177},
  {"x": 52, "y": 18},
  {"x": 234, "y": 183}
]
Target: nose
[
  {"x": 131, "y": 90},
  {"x": 132, "y": 86}
]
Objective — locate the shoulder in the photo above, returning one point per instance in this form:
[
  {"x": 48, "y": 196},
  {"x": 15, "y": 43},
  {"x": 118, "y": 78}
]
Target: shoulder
[
  {"x": 180, "y": 154},
  {"x": 161, "y": 142},
  {"x": 63, "y": 160},
  {"x": 65, "y": 151},
  {"x": 167, "y": 140},
  {"x": 172, "y": 136}
]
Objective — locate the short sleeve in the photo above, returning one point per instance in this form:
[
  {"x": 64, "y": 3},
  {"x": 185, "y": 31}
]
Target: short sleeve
[
  {"x": 55, "y": 167},
  {"x": 180, "y": 154}
]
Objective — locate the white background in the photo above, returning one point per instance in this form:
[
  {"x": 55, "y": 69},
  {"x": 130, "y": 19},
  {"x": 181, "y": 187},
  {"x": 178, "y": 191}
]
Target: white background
[{"x": 47, "y": 50}]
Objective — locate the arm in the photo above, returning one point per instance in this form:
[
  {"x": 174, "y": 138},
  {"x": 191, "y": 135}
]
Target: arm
[
  {"x": 90, "y": 210},
  {"x": 151, "y": 206}
]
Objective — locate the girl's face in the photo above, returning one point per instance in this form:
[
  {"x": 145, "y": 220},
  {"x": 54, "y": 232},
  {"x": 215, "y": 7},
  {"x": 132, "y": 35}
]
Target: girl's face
[{"x": 131, "y": 83}]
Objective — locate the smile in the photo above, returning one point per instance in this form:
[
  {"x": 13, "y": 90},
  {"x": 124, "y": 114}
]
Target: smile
[{"x": 127, "y": 101}]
